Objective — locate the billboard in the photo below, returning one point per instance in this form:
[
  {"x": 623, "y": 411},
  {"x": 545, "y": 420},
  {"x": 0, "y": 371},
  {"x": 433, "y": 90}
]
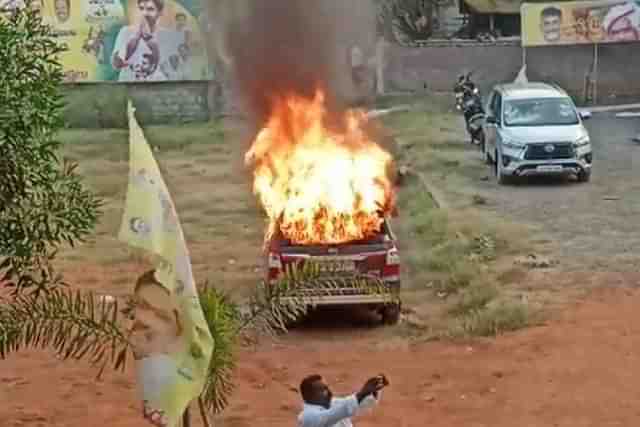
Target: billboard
[
  {"x": 127, "y": 40},
  {"x": 580, "y": 22}
]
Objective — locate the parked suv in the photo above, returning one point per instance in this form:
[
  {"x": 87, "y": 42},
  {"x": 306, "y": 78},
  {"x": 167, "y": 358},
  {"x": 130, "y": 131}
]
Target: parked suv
[{"x": 535, "y": 129}]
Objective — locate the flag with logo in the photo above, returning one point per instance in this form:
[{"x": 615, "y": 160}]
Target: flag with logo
[{"x": 171, "y": 341}]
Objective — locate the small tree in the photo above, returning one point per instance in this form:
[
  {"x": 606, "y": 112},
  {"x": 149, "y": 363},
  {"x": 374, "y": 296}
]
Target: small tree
[{"x": 43, "y": 203}]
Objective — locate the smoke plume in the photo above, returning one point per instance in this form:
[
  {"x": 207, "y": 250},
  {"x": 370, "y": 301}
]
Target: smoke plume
[{"x": 283, "y": 47}]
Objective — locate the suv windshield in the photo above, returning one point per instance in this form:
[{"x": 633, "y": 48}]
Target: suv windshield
[{"x": 540, "y": 112}]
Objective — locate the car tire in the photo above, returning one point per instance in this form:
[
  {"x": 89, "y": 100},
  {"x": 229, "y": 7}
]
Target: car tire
[
  {"x": 500, "y": 176},
  {"x": 391, "y": 314},
  {"x": 584, "y": 176}
]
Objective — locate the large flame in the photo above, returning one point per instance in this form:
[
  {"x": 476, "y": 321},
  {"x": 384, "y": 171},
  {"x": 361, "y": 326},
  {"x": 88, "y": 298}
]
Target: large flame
[{"x": 319, "y": 185}]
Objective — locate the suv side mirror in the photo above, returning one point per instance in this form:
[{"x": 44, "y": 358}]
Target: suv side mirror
[
  {"x": 585, "y": 115},
  {"x": 491, "y": 120}
]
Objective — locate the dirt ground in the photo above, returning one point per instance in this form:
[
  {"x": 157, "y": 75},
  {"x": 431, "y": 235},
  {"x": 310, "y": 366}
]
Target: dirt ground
[{"x": 579, "y": 369}]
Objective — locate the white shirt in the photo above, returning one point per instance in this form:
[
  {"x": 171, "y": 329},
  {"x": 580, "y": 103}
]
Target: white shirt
[
  {"x": 338, "y": 415},
  {"x": 167, "y": 41}
]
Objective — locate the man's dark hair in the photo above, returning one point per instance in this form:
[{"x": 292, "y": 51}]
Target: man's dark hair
[
  {"x": 159, "y": 3},
  {"x": 551, "y": 11},
  {"x": 306, "y": 386}
]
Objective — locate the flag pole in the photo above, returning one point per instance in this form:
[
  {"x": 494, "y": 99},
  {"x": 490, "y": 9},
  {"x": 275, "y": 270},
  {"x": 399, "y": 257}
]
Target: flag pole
[{"x": 186, "y": 418}]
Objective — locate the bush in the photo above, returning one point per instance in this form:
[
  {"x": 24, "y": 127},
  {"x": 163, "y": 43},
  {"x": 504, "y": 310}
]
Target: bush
[
  {"x": 98, "y": 106},
  {"x": 43, "y": 203}
]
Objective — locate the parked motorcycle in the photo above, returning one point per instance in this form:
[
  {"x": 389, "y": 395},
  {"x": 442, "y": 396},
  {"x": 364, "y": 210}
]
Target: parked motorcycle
[
  {"x": 464, "y": 85},
  {"x": 468, "y": 100},
  {"x": 474, "y": 116}
]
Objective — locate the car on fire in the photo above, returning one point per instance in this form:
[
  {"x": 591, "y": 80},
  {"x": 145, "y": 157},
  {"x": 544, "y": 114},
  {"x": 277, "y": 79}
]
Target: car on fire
[
  {"x": 536, "y": 129},
  {"x": 376, "y": 256}
]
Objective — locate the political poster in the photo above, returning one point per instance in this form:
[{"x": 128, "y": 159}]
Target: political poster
[
  {"x": 126, "y": 40},
  {"x": 580, "y": 22}
]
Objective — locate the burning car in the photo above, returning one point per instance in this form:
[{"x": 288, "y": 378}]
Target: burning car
[{"x": 328, "y": 195}]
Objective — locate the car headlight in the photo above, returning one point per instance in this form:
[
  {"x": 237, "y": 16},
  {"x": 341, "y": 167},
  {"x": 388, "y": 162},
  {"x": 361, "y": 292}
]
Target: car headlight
[
  {"x": 512, "y": 144},
  {"x": 582, "y": 141}
]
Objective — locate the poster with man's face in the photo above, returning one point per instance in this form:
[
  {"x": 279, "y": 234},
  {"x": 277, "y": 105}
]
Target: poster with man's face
[
  {"x": 588, "y": 22},
  {"x": 126, "y": 40}
]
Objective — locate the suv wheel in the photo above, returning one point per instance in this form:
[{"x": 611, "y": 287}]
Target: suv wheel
[{"x": 584, "y": 176}]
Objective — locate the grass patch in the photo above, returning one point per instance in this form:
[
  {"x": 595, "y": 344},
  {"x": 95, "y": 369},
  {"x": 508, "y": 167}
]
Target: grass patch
[
  {"x": 474, "y": 299},
  {"x": 455, "y": 253},
  {"x": 220, "y": 219},
  {"x": 493, "y": 320}
]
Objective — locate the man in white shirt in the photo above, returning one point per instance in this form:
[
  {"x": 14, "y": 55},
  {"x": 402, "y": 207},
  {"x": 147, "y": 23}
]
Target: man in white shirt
[
  {"x": 140, "y": 49},
  {"x": 321, "y": 409}
]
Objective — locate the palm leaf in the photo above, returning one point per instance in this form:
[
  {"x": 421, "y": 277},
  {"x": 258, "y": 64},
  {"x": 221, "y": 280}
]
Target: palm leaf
[
  {"x": 76, "y": 325},
  {"x": 222, "y": 317}
]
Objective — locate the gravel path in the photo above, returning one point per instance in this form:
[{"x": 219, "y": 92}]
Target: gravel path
[{"x": 596, "y": 225}]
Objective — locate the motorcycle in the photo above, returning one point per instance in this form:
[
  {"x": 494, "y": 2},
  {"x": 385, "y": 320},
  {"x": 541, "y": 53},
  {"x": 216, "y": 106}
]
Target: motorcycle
[
  {"x": 463, "y": 86},
  {"x": 468, "y": 100},
  {"x": 474, "y": 116}
]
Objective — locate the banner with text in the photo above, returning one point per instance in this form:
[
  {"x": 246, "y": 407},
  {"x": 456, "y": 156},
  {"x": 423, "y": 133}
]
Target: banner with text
[
  {"x": 126, "y": 40},
  {"x": 580, "y": 22}
]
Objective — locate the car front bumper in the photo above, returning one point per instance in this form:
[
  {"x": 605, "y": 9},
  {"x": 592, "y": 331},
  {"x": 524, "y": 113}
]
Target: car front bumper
[{"x": 515, "y": 165}]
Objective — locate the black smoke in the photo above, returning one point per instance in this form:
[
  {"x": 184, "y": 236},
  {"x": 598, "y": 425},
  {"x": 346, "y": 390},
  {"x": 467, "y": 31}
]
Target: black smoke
[{"x": 283, "y": 47}]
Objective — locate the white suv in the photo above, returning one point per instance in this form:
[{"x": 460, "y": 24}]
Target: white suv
[{"x": 535, "y": 129}]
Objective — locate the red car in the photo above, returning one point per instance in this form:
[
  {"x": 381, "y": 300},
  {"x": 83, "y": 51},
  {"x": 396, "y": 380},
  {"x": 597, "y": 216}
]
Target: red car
[{"x": 376, "y": 256}]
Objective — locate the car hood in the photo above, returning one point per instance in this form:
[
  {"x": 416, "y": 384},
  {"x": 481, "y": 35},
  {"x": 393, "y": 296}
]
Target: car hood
[{"x": 533, "y": 134}]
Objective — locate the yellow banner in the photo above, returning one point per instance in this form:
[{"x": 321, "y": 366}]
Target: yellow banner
[
  {"x": 171, "y": 340},
  {"x": 580, "y": 22},
  {"x": 126, "y": 40}
]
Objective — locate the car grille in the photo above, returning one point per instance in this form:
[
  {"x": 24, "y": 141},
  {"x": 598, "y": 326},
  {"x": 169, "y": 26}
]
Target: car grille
[{"x": 541, "y": 152}]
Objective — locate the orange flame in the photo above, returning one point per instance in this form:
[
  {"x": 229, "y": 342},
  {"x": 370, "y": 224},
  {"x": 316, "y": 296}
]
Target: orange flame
[{"x": 316, "y": 184}]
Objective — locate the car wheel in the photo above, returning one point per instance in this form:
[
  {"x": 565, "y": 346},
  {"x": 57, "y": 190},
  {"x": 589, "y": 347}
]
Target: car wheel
[
  {"x": 584, "y": 176},
  {"x": 500, "y": 176},
  {"x": 391, "y": 314}
]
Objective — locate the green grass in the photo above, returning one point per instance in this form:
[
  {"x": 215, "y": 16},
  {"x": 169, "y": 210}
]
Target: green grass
[
  {"x": 200, "y": 164},
  {"x": 493, "y": 320},
  {"x": 453, "y": 252}
]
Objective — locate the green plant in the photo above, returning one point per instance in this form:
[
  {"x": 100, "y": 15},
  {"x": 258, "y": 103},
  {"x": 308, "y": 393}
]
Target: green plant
[
  {"x": 43, "y": 204},
  {"x": 474, "y": 298},
  {"x": 494, "y": 319},
  {"x": 76, "y": 325}
]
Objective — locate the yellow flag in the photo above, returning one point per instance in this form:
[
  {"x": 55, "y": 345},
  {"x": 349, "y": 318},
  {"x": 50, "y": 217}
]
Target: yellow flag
[{"x": 171, "y": 340}]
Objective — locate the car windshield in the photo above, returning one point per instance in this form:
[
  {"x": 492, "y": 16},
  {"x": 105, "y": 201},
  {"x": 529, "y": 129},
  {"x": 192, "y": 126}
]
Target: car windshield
[{"x": 540, "y": 112}]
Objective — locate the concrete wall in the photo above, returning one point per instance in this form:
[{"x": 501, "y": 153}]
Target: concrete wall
[
  {"x": 171, "y": 102},
  {"x": 103, "y": 105},
  {"x": 436, "y": 67}
]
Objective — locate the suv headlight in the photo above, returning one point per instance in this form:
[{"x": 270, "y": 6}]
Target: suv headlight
[
  {"x": 512, "y": 144},
  {"x": 582, "y": 141}
]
